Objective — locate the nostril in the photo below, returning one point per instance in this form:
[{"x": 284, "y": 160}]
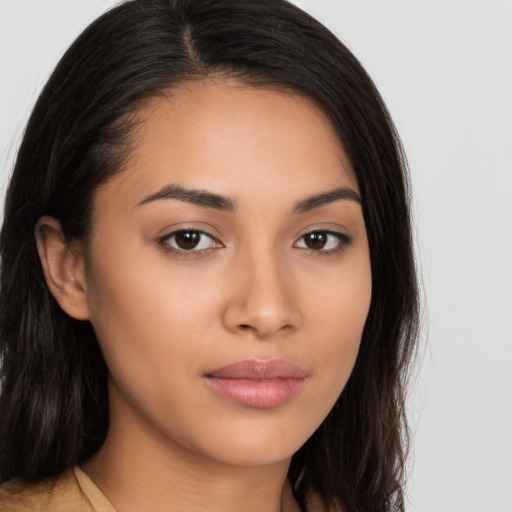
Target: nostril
[{"x": 245, "y": 327}]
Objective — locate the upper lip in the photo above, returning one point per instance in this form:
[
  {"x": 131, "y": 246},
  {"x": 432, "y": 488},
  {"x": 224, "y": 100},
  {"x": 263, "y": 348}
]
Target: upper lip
[{"x": 259, "y": 370}]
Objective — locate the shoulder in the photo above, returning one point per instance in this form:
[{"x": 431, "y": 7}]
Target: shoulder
[
  {"x": 59, "y": 494},
  {"x": 41, "y": 496}
]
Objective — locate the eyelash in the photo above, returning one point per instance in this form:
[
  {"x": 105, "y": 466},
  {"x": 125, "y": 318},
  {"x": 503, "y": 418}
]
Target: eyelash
[{"x": 344, "y": 241}]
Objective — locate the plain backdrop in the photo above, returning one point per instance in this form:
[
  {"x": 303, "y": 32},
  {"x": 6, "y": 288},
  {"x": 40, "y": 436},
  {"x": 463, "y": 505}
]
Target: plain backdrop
[{"x": 444, "y": 67}]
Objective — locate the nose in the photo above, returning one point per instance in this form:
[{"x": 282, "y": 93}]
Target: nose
[{"x": 262, "y": 301}]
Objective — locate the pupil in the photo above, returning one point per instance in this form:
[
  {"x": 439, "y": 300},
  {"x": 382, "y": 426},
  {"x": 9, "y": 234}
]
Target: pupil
[
  {"x": 316, "y": 240},
  {"x": 187, "y": 239}
]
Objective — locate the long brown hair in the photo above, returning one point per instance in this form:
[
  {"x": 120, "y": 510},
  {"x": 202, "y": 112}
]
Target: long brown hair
[{"x": 53, "y": 402}]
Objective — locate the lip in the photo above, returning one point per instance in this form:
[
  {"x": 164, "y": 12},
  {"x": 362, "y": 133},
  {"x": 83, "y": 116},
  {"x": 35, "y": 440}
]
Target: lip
[{"x": 258, "y": 384}]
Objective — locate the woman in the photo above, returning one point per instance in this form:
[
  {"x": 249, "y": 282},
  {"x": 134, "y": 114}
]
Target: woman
[{"x": 208, "y": 293}]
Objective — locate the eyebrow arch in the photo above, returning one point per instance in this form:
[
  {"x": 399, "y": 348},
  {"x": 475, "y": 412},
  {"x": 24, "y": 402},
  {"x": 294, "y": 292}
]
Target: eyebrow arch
[
  {"x": 198, "y": 197},
  {"x": 327, "y": 197}
]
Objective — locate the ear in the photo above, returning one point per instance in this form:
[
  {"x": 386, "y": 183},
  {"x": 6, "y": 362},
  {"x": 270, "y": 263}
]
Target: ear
[{"x": 63, "y": 267}]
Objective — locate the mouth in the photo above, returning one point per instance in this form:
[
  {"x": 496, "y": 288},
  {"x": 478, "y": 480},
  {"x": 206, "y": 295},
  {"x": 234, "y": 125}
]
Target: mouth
[{"x": 258, "y": 384}]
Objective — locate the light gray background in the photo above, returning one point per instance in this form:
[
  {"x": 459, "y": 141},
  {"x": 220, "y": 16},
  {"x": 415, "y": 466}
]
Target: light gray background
[{"x": 444, "y": 68}]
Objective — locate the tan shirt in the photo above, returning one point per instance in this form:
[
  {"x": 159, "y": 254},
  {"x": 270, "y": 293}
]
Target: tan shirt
[{"x": 72, "y": 491}]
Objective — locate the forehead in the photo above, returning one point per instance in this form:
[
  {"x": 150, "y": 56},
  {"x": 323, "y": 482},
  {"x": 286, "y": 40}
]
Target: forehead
[{"x": 228, "y": 137}]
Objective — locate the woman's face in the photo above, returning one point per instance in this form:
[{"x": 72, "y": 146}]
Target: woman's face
[{"x": 228, "y": 274}]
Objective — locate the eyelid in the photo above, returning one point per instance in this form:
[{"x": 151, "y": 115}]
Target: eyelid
[{"x": 188, "y": 225}]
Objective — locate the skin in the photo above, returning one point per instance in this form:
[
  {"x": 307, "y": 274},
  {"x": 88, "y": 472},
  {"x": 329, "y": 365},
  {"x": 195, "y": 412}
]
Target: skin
[{"x": 165, "y": 317}]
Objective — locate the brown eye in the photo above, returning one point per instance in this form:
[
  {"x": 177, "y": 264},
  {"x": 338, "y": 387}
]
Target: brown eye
[
  {"x": 315, "y": 240},
  {"x": 187, "y": 240},
  {"x": 323, "y": 241}
]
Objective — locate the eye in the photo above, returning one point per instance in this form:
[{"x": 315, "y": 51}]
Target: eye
[
  {"x": 323, "y": 241},
  {"x": 189, "y": 240}
]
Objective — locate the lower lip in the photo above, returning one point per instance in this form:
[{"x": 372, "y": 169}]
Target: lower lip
[{"x": 262, "y": 394}]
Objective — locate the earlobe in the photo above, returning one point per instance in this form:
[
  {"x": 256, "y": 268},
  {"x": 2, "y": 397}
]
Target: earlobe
[{"x": 63, "y": 268}]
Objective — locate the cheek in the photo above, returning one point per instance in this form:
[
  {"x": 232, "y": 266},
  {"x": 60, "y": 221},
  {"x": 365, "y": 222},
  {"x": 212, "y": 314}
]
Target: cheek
[
  {"x": 150, "y": 327},
  {"x": 338, "y": 315},
  {"x": 145, "y": 314},
  {"x": 338, "y": 299}
]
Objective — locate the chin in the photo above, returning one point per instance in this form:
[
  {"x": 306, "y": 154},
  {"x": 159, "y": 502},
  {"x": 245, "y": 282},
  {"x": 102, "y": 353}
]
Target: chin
[{"x": 256, "y": 444}]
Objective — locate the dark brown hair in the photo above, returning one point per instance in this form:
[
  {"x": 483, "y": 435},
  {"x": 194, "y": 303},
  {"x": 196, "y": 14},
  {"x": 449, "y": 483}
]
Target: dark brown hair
[{"x": 53, "y": 402}]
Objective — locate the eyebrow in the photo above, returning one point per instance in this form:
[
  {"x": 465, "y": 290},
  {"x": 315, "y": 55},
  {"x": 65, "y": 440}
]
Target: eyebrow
[
  {"x": 198, "y": 197},
  {"x": 219, "y": 202},
  {"x": 327, "y": 197}
]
